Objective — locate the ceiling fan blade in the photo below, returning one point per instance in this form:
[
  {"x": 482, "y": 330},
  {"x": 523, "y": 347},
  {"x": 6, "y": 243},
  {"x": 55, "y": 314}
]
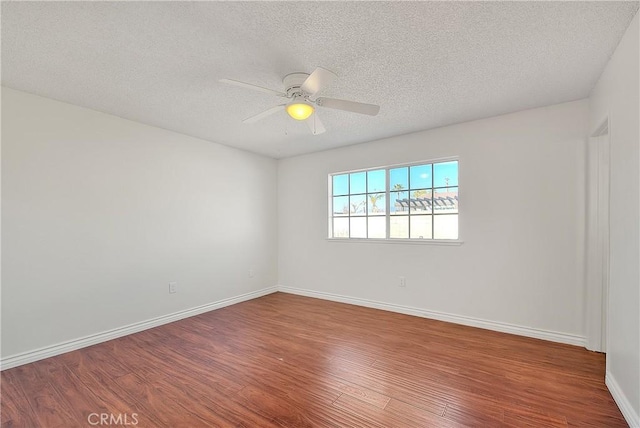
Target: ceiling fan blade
[
  {"x": 352, "y": 106},
  {"x": 269, "y": 112},
  {"x": 317, "y": 80},
  {"x": 254, "y": 87},
  {"x": 315, "y": 125}
]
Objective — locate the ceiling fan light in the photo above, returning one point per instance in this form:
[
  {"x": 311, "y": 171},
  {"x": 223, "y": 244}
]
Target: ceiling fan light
[{"x": 300, "y": 111}]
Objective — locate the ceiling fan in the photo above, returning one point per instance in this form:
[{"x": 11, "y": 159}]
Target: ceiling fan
[{"x": 301, "y": 89}]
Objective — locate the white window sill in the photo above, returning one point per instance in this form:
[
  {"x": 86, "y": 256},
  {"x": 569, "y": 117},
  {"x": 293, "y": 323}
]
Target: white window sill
[{"x": 445, "y": 242}]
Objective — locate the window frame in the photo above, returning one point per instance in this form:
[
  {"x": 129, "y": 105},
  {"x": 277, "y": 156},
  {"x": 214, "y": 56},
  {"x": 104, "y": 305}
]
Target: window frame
[{"x": 387, "y": 215}]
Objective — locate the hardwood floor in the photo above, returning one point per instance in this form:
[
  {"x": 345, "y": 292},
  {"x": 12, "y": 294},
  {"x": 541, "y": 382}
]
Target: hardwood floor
[{"x": 285, "y": 360}]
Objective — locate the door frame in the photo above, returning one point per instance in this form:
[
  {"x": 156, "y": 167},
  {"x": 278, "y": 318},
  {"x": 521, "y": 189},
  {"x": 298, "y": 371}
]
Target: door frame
[{"x": 597, "y": 238}]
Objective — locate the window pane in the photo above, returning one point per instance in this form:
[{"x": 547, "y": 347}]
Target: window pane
[
  {"x": 358, "y": 227},
  {"x": 376, "y": 181},
  {"x": 422, "y": 204},
  {"x": 446, "y": 200},
  {"x": 399, "y": 202},
  {"x": 420, "y": 226},
  {"x": 358, "y": 204},
  {"x": 420, "y": 201},
  {"x": 377, "y": 227},
  {"x": 420, "y": 176},
  {"x": 445, "y": 174},
  {"x": 341, "y": 184},
  {"x": 445, "y": 226},
  {"x": 398, "y": 179},
  {"x": 358, "y": 182},
  {"x": 377, "y": 205},
  {"x": 340, "y": 205},
  {"x": 399, "y": 226},
  {"x": 340, "y": 227}
]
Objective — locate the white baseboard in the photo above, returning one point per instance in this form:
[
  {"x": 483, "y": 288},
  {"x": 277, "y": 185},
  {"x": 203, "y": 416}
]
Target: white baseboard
[
  {"x": 442, "y": 316},
  {"x": 83, "y": 342},
  {"x": 630, "y": 415},
  {"x": 72, "y": 345}
]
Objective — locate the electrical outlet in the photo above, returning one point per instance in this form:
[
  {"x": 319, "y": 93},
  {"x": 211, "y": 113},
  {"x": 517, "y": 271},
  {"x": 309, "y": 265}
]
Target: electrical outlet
[
  {"x": 403, "y": 281},
  {"x": 173, "y": 287},
  {"x": 252, "y": 272}
]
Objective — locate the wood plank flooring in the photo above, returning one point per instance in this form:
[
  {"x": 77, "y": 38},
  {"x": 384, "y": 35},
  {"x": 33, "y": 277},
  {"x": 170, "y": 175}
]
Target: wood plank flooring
[{"x": 285, "y": 360}]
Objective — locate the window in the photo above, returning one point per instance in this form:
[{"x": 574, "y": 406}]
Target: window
[{"x": 400, "y": 202}]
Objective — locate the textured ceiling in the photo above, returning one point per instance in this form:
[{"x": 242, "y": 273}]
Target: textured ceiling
[{"x": 427, "y": 64}]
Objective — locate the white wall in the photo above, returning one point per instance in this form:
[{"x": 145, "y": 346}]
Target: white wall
[
  {"x": 616, "y": 96},
  {"x": 522, "y": 220},
  {"x": 100, "y": 213}
]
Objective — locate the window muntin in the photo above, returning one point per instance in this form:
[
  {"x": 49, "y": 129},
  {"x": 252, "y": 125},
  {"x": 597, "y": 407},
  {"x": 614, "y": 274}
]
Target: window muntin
[{"x": 418, "y": 201}]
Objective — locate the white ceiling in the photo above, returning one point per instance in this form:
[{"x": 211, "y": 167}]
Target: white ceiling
[{"x": 427, "y": 64}]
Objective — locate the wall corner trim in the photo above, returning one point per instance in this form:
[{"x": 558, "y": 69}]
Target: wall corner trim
[
  {"x": 632, "y": 418},
  {"x": 82, "y": 342},
  {"x": 552, "y": 336}
]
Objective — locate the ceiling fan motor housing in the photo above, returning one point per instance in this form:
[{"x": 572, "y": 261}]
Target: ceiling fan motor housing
[{"x": 292, "y": 83}]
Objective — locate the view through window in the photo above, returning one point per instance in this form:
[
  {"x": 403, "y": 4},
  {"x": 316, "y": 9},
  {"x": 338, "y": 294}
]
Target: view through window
[{"x": 400, "y": 202}]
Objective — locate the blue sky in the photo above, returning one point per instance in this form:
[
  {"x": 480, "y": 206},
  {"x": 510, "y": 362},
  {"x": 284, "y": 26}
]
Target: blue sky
[{"x": 418, "y": 176}]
